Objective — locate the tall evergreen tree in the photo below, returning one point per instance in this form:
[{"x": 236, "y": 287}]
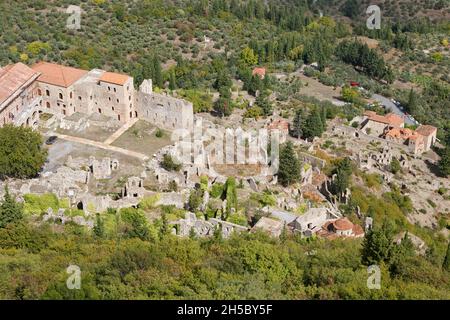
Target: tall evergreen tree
[
  {"x": 412, "y": 102},
  {"x": 298, "y": 123},
  {"x": 289, "y": 167},
  {"x": 10, "y": 210},
  {"x": 444, "y": 162},
  {"x": 313, "y": 126},
  {"x": 157, "y": 76},
  {"x": 342, "y": 180},
  {"x": 172, "y": 81},
  {"x": 446, "y": 264},
  {"x": 99, "y": 227},
  {"x": 377, "y": 246},
  {"x": 263, "y": 102}
]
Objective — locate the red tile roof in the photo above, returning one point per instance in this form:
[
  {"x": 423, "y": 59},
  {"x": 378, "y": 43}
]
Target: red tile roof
[
  {"x": 13, "y": 77},
  {"x": 390, "y": 119},
  {"x": 343, "y": 224},
  {"x": 58, "y": 75},
  {"x": 426, "y": 130},
  {"x": 114, "y": 78},
  {"x": 279, "y": 124},
  {"x": 402, "y": 133},
  {"x": 259, "y": 71}
]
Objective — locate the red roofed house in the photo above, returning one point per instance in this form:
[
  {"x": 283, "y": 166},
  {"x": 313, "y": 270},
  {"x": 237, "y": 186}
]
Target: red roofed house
[
  {"x": 429, "y": 135},
  {"x": 56, "y": 87},
  {"x": 261, "y": 72},
  {"x": 375, "y": 124},
  {"x": 19, "y": 97},
  {"x": 60, "y": 90},
  {"x": 68, "y": 90},
  {"x": 419, "y": 141},
  {"x": 342, "y": 227}
]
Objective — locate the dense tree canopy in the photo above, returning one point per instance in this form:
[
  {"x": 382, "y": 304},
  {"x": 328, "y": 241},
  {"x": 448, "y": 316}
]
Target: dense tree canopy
[{"x": 21, "y": 152}]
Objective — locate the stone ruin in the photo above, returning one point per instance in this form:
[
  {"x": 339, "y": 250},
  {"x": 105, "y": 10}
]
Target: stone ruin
[
  {"x": 381, "y": 159},
  {"x": 60, "y": 216},
  {"x": 103, "y": 169},
  {"x": 99, "y": 169},
  {"x": 203, "y": 228},
  {"x": 134, "y": 188}
]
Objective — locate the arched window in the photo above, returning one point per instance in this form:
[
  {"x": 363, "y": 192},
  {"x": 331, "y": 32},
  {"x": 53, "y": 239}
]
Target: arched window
[
  {"x": 60, "y": 96},
  {"x": 39, "y": 92},
  {"x": 48, "y": 105},
  {"x": 47, "y": 93}
]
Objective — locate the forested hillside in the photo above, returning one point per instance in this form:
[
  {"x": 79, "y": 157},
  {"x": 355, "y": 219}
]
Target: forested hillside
[{"x": 202, "y": 49}]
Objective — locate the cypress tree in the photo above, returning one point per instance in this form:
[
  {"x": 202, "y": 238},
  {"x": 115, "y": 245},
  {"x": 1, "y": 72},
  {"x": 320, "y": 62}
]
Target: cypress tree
[
  {"x": 99, "y": 228},
  {"x": 297, "y": 125},
  {"x": 10, "y": 210},
  {"x": 158, "y": 78},
  {"x": 172, "y": 81},
  {"x": 289, "y": 168},
  {"x": 446, "y": 264},
  {"x": 313, "y": 126}
]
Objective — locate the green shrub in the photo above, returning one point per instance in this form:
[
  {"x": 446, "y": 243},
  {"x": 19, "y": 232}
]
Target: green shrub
[{"x": 37, "y": 204}]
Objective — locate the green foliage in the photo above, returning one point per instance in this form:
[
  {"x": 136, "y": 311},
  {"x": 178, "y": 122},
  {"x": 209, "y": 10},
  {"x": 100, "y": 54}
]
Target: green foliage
[
  {"x": 149, "y": 202},
  {"x": 201, "y": 100},
  {"x": 37, "y": 204},
  {"x": 313, "y": 125},
  {"x": 253, "y": 112},
  {"x": 231, "y": 195},
  {"x": 264, "y": 199},
  {"x": 21, "y": 153},
  {"x": 446, "y": 264},
  {"x": 223, "y": 106},
  {"x": 159, "y": 133},
  {"x": 134, "y": 224},
  {"x": 217, "y": 190},
  {"x": 373, "y": 180},
  {"x": 402, "y": 201},
  {"x": 298, "y": 123},
  {"x": 377, "y": 246},
  {"x": 395, "y": 166},
  {"x": 361, "y": 56},
  {"x": 195, "y": 199},
  {"x": 343, "y": 177},
  {"x": 262, "y": 101},
  {"x": 238, "y": 218},
  {"x": 289, "y": 167},
  {"x": 350, "y": 94},
  {"x": 444, "y": 162},
  {"x": 99, "y": 227},
  {"x": 169, "y": 164},
  {"x": 248, "y": 57},
  {"x": 10, "y": 210}
]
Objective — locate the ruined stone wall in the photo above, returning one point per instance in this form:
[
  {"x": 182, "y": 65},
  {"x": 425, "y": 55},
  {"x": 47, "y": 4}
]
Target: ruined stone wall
[
  {"x": 165, "y": 111},
  {"x": 358, "y": 134}
]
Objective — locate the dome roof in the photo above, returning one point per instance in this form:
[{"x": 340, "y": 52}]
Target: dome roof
[{"x": 343, "y": 224}]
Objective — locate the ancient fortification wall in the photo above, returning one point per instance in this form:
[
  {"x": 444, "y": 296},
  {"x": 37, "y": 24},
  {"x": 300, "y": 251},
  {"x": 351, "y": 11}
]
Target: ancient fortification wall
[{"x": 162, "y": 110}]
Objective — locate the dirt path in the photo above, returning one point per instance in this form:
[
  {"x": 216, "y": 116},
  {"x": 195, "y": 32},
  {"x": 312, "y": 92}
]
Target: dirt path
[
  {"x": 103, "y": 145},
  {"x": 121, "y": 131}
]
